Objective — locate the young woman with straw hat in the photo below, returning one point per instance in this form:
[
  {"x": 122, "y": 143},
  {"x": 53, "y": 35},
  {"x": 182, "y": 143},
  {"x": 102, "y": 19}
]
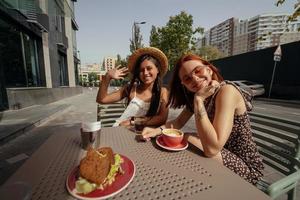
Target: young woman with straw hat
[{"x": 145, "y": 95}]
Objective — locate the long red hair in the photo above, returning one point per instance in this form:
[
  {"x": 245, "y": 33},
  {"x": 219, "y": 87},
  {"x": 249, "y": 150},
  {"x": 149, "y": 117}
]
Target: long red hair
[{"x": 179, "y": 95}]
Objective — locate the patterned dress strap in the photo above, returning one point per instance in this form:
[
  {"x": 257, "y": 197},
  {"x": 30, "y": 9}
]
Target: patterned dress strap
[{"x": 245, "y": 94}]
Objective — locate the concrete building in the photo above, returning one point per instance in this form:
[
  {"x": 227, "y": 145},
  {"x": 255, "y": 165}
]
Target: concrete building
[
  {"x": 38, "y": 57},
  {"x": 108, "y": 63},
  {"x": 204, "y": 40},
  {"x": 269, "y": 30},
  {"x": 221, "y": 36},
  {"x": 91, "y": 68},
  {"x": 289, "y": 37},
  {"x": 240, "y": 40},
  {"x": 265, "y": 30},
  {"x": 235, "y": 36}
]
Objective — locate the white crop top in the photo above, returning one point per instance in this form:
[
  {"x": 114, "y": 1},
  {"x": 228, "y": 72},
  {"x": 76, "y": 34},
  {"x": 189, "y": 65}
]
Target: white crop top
[{"x": 135, "y": 108}]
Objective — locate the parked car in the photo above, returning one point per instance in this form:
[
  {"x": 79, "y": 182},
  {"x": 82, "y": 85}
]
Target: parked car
[{"x": 255, "y": 89}]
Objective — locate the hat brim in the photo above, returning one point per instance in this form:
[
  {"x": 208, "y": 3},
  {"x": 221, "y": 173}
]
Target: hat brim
[{"x": 155, "y": 52}]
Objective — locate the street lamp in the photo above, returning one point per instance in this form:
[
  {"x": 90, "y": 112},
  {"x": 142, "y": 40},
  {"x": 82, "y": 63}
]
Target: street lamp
[
  {"x": 79, "y": 79},
  {"x": 134, "y": 27},
  {"x": 277, "y": 58}
]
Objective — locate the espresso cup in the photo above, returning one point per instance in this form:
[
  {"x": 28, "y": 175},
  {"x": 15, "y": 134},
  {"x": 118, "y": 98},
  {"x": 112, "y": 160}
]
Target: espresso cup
[{"x": 172, "y": 137}]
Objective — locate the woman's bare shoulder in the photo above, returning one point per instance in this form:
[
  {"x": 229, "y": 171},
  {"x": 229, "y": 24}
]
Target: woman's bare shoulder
[{"x": 230, "y": 93}]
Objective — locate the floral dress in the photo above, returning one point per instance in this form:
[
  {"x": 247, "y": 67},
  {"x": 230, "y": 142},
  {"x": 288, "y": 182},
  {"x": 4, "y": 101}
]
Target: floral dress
[{"x": 240, "y": 153}]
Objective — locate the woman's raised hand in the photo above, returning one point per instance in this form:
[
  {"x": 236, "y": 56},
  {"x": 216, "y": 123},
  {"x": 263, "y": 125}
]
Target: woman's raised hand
[
  {"x": 207, "y": 91},
  {"x": 118, "y": 73}
]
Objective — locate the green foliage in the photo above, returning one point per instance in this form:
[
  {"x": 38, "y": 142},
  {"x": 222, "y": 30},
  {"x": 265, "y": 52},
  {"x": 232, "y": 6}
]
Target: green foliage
[
  {"x": 176, "y": 38},
  {"x": 92, "y": 77},
  {"x": 136, "y": 41},
  {"x": 120, "y": 61},
  {"x": 120, "y": 82},
  {"x": 296, "y": 12},
  {"x": 209, "y": 53}
]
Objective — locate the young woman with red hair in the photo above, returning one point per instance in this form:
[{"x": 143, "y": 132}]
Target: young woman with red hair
[{"x": 221, "y": 116}]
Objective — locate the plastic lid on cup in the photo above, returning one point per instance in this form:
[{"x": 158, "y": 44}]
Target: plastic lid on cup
[{"x": 91, "y": 126}]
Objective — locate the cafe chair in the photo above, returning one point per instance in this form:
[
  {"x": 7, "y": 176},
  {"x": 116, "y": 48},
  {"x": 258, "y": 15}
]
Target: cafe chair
[
  {"x": 108, "y": 113},
  {"x": 278, "y": 143}
]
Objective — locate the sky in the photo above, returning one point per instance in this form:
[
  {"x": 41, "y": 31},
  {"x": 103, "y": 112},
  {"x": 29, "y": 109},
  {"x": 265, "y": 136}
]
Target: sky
[{"x": 105, "y": 26}]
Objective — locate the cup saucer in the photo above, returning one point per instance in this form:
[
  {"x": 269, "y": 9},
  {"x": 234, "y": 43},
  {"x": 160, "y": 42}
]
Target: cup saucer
[{"x": 182, "y": 146}]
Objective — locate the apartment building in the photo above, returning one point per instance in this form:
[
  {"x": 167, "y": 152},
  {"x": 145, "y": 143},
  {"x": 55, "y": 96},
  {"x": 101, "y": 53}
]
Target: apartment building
[
  {"x": 265, "y": 30},
  {"x": 38, "y": 57},
  {"x": 221, "y": 36},
  {"x": 85, "y": 71},
  {"x": 292, "y": 34},
  {"x": 108, "y": 63},
  {"x": 204, "y": 40},
  {"x": 234, "y": 36},
  {"x": 240, "y": 41}
]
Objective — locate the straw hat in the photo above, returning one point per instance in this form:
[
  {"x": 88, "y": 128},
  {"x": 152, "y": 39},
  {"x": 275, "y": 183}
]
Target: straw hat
[{"x": 152, "y": 51}]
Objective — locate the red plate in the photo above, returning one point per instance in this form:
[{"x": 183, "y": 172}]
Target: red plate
[
  {"x": 182, "y": 146},
  {"x": 120, "y": 183}
]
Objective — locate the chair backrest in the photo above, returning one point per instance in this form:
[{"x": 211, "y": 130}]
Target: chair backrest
[
  {"x": 108, "y": 113},
  {"x": 278, "y": 141}
]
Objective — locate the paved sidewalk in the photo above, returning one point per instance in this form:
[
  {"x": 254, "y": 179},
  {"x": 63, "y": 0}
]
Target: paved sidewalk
[{"x": 45, "y": 119}]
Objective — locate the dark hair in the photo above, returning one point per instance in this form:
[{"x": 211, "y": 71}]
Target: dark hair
[
  {"x": 156, "y": 90},
  {"x": 179, "y": 95}
]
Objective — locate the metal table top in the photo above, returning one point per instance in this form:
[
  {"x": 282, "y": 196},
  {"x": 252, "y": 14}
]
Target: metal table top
[{"x": 160, "y": 174}]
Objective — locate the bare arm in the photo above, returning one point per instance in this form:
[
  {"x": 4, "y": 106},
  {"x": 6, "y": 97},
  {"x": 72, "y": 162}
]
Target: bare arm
[
  {"x": 177, "y": 123},
  {"x": 213, "y": 136},
  {"x": 102, "y": 96}
]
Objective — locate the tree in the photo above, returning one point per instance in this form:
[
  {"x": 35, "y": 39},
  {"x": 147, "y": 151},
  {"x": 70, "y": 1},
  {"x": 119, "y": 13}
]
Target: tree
[
  {"x": 120, "y": 61},
  {"x": 210, "y": 53},
  {"x": 136, "y": 41},
  {"x": 296, "y": 12},
  {"x": 176, "y": 38},
  {"x": 92, "y": 78},
  {"x": 154, "y": 37}
]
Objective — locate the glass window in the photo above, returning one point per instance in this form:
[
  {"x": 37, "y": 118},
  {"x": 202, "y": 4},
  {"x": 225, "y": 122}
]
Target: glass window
[
  {"x": 63, "y": 72},
  {"x": 31, "y": 61},
  {"x": 11, "y": 50},
  {"x": 20, "y": 66}
]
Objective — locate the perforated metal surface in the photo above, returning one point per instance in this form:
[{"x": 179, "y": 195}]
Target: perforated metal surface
[
  {"x": 50, "y": 186},
  {"x": 155, "y": 183},
  {"x": 159, "y": 174},
  {"x": 155, "y": 176}
]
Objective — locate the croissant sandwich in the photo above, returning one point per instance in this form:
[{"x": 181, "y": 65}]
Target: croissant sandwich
[{"x": 98, "y": 169}]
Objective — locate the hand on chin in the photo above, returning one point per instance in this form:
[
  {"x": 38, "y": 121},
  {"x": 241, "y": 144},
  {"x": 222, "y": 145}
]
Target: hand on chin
[{"x": 206, "y": 91}]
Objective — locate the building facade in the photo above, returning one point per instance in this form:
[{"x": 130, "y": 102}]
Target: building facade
[
  {"x": 108, "y": 63},
  {"x": 240, "y": 37},
  {"x": 38, "y": 52},
  {"x": 221, "y": 36},
  {"x": 85, "y": 72},
  {"x": 234, "y": 36}
]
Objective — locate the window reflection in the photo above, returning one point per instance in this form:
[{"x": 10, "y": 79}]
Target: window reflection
[{"x": 20, "y": 52}]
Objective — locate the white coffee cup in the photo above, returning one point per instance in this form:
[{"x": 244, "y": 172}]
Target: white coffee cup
[
  {"x": 88, "y": 131},
  {"x": 90, "y": 126}
]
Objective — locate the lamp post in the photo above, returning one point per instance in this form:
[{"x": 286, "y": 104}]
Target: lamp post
[
  {"x": 277, "y": 58},
  {"x": 79, "y": 79},
  {"x": 134, "y": 27}
]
